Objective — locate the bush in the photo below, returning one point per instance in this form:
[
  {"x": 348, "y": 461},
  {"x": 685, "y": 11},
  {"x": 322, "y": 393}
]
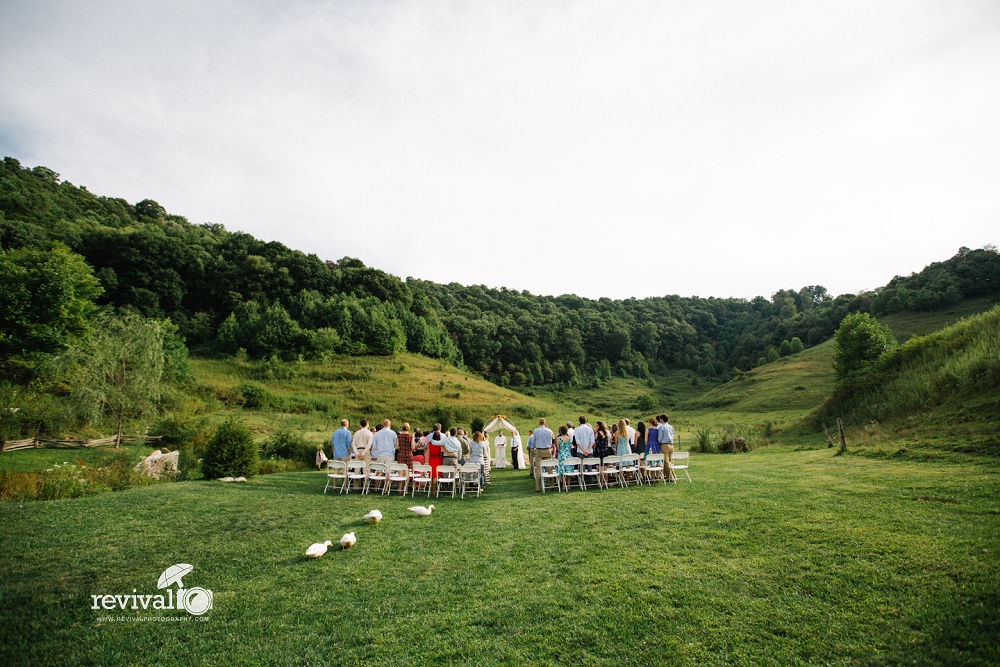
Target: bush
[
  {"x": 231, "y": 452},
  {"x": 256, "y": 397},
  {"x": 72, "y": 480},
  {"x": 703, "y": 437},
  {"x": 189, "y": 437},
  {"x": 285, "y": 444},
  {"x": 859, "y": 342},
  {"x": 645, "y": 403},
  {"x": 272, "y": 466}
]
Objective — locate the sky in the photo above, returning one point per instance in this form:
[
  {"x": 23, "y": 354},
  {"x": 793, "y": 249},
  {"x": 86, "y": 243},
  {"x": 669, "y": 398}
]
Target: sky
[{"x": 619, "y": 149}]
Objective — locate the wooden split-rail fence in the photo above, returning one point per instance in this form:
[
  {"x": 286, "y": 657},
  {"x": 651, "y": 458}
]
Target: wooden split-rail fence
[{"x": 72, "y": 443}]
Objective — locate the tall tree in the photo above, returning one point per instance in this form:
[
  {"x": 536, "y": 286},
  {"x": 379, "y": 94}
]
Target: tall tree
[{"x": 119, "y": 373}]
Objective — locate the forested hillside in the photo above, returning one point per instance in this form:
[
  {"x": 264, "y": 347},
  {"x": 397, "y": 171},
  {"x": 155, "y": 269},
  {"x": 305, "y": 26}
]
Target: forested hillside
[{"x": 227, "y": 291}]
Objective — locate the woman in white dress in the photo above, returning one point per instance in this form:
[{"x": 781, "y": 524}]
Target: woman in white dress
[
  {"x": 516, "y": 450},
  {"x": 501, "y": 450}
]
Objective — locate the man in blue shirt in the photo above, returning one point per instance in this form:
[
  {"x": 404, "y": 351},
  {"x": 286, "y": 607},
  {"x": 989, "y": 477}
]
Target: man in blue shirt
[
  {"x": 384, "y": 444},
  {"x": 540, "y": 447},
  {"x": 341, "y": 442},
  {"x": 666, "y": 430}
]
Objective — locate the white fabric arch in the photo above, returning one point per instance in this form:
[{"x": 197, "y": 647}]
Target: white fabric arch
[{"x": 499, "y": 422}]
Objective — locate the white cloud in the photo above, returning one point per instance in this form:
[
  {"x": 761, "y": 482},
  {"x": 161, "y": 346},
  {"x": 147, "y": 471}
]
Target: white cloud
[{"x": 619, "y": 149}]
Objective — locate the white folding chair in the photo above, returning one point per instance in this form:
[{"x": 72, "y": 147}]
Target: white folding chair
[
  {"x": 471, "y": 478},
  {"x": 377, "y": 473},
  {"x": 590, "y": 468},
  {"x": 335, "y": 470},
  {"x": 420, "y": 479},
  {"x": 655, "y": 464},
  {"x": 630, "y": 470},
  {"x": 610, "y": 470},
  {"x": 399, "y": 473},
  {"x": 681, "y": 461},
  {"x": 357, "y": 473},
  {"x": 446, "y": 477},
  {"x": 550, "y": 470},
  {"x": 572, "y": 471}
]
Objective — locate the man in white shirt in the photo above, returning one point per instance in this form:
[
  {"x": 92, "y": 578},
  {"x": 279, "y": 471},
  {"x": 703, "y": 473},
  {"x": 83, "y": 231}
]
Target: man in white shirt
[
  {"x": 362, "y": 444},
  {"x": 500, "y": 459},
  {"x": 584, "y": 436},
  {"x": 540, "y": 445},
  {"x": 384, "y": 444},
  {"x": 570, "y": 431}
]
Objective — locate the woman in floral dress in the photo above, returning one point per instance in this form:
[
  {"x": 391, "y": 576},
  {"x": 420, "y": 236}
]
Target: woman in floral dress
[{"x": 565, "y": 446}]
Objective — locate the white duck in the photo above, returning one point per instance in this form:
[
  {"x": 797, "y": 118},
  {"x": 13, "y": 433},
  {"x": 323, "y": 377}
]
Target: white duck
[
  {"x": 373, "y": 517},
  {"x": 348, "y": 541},
  {"x": 318, "y": 549},
  {"x": 421, "y": 511}
]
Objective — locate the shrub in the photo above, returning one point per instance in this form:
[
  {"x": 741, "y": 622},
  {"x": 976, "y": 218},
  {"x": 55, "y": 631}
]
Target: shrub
[
  {"x": 256, "y": 397},
  {"x": 72, "y": 480},
  {"x": 645, "y": 403},
  {"x": 231, "y": 452},
  {"x": 285, "y": 444},
  {"x": 703, "y": 437},
  {"x": 797, "y": 345},
  {"x": 859, "y": 342},
  {"x": 189, "y": 437},
  {"x": 272, "y": 466}
]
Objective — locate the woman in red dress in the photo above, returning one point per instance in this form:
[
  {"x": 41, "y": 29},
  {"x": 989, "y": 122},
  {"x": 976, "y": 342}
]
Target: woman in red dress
[
  {"x": 404, "y": 446},
  {"x": 434, "y": 450}
]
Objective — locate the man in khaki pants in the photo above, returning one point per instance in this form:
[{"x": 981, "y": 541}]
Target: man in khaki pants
[
  {"x": 540, "y": 449},
  {"x": 362, "y": 443}
]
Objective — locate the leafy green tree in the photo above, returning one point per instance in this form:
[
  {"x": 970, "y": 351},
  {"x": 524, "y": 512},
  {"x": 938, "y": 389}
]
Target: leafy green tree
[
  {"x": 231, "y": 452},
  {"x": 796, "y": 344},
  {"x": 119, "y": 372},
  {"x": 859, "y": 342},
  {"x": 785, "y": 348},
  {"x": 46, "y": 297}
]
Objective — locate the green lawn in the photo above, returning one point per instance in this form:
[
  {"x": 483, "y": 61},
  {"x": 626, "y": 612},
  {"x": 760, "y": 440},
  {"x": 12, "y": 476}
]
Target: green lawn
[{"x": 773, "y": 557}]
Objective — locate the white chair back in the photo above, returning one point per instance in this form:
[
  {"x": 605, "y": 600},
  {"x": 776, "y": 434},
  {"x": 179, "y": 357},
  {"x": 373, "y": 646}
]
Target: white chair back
[
  {"x": 421, "y": 477},
  {"x": 335, "y": 470}
]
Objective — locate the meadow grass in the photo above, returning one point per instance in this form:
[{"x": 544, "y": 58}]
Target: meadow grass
[
  {"x": 906, "y": 324},
  {"x": 773, "y": 557}
]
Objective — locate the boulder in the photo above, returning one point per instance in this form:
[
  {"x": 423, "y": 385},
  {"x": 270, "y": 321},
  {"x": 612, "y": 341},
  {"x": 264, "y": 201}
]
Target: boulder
[{"x": 158, "y": 463}]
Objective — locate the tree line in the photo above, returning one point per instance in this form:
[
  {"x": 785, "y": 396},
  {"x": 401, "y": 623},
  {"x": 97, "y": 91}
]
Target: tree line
[{"x": 224, "y": 291}]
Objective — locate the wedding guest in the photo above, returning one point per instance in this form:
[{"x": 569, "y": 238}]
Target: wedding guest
[
  {"x": 404, "y": 446},
  {"x": 584, "y": 437},
  {"x": 540, "y": 445},
  {"x": 563, "y": 444},
  {"x": 341, "y": 442},
  {"x": 478, "y": 452},
  {"x": 452, "y": 449},
  {"x": 640, "y": 438},
  {"x": 652, "y": 438},
  {"x": 384, "y": 443},
  {"x": 624, "y": 446},
  {"x": 434, "y": 450},
  {"x": 419, "y": 446},
  {"x": 666, "y": 430},
  {"x": 602, "y": 445},
  {"x": 500, "y": 445},
  {"x": 362, "y": 443},
  {"x": 531, "y": 446}
]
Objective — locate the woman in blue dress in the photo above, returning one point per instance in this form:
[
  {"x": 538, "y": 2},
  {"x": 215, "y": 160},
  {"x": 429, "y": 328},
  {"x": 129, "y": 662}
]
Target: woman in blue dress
[
  {"x": 621, "y": 439},
  {"x": 652, "y": 440},
  {"x": 564, "y": 443}
]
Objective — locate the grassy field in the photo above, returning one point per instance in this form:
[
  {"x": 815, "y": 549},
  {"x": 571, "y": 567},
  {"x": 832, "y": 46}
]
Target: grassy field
[
  {"x": 774, "y": 557},
  {"x": 907, "y": 324}
]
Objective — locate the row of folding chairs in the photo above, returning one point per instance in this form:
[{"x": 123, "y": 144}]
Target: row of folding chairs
[
  {"x": 620, "y": 471},
  {"x": 384, "y": 478}
]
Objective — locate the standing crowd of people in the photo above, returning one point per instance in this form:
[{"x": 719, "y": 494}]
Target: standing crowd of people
[{"x": 454, "y": 447}]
